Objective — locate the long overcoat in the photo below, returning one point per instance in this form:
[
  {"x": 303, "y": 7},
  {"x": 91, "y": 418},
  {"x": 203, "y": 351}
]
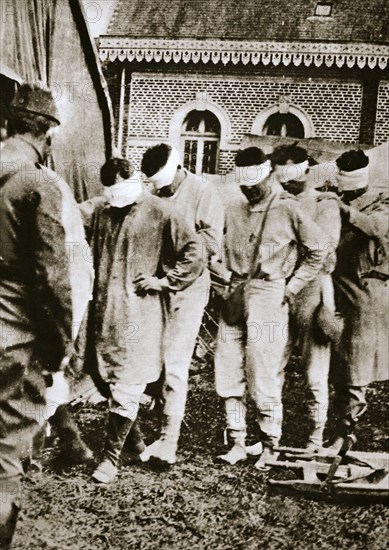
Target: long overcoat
[
  {"x": 146, "y": 238},
  {"x": 362, "y": 293},
  {"x": 45, "y": 284},
  {"x": 45, "y": 263}
]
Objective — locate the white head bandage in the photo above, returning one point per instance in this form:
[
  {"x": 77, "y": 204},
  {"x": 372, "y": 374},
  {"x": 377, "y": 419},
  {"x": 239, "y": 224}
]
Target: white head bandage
[
  {"x": 252, "y": 175},
  {"x": 165, "y": 175},
  {"x": 124, "y": 192},
  {"x": 352, "y": 181},
  {"x": 291, "y": 172}
]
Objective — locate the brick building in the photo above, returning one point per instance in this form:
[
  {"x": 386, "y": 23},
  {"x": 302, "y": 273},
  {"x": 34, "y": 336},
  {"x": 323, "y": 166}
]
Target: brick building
[{"x": 203, "y": 73}]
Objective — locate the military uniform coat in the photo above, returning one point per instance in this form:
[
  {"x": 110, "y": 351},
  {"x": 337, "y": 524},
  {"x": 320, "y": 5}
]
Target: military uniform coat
[
  {"x": 45, "y": 284},
  {"x": 45, "y": 262}
]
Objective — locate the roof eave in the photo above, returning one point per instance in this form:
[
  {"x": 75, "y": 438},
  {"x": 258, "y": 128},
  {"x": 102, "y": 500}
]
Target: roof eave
[{"x": 337, "y": 54}]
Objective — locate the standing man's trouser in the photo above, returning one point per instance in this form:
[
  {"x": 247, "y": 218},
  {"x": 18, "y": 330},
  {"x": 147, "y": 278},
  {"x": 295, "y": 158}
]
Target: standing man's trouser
[
  {"x": 22, "y": 412},
  {"x": 251, "y": 355},
  {"x": 183, "y": 322},
  {"x": 315, "y": 357},
  {"x": 350, "y": 404},
  {"x": 125, "y": 399}
]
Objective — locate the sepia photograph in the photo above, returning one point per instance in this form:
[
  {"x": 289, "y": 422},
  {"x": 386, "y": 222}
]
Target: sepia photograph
[{"x": 194, "y": 274}]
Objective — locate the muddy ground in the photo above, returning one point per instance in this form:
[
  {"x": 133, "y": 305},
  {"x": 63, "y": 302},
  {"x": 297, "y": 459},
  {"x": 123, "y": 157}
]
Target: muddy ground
[{"x": 198, "y": 504}]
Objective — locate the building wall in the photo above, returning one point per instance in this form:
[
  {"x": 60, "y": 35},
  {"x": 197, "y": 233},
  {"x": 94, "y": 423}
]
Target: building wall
[
  {"x": 333, "y": 106},
  {"x": 382, "y": 121}
]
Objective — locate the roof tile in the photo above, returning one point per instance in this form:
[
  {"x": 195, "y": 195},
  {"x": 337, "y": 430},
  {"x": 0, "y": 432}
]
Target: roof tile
[{"x": 261, "y": 20}]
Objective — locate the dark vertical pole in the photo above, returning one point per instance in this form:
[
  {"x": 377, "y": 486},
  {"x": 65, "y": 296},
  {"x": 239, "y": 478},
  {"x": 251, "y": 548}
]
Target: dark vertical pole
[{"x": 369, "y": 109}]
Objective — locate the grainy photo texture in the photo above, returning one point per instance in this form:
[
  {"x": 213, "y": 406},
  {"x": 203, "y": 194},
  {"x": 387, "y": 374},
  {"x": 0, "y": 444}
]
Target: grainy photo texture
[{"x": 194, "y": 266}]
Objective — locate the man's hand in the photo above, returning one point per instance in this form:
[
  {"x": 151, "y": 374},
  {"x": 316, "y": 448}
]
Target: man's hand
[
  {"x": 289, "y": 298},
  {"x": 220, "y": 274},
  {"x": 147, "y": 284}
]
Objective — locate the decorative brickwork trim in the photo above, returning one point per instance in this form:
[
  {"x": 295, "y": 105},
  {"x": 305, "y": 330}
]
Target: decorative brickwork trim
[{"x": 227, "y": 51}]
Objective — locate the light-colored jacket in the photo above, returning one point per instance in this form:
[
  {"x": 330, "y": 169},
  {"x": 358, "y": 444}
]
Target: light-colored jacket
[
  {"x": 324, "y": 210},
  {"x": 199, "y": 203},
  {"x": 292, "y": 245}
]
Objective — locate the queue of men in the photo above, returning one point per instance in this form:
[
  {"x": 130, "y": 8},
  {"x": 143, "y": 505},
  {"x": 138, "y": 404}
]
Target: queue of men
[
  {"x": 278, "y": 244},
  {"x": 286, "y": 284}
]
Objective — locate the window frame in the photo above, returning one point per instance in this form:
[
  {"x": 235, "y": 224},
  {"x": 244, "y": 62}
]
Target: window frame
[{"x": 200, "y": 137}]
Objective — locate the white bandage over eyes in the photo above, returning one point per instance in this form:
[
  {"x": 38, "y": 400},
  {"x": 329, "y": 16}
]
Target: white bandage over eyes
[
  {"x": 165, "y": 175},
  {"x": 291, "y": 172},
  {"x": 123, "y": 193},
  {"x": 352, "y": 181},
  {"x": 252, "y": 175}
]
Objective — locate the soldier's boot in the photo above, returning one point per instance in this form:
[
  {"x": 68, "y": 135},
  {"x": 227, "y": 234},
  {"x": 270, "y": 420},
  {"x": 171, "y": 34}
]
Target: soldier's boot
[
  {"x": 133, "y": 446},
  {"x": 72, "y": 446},
  {"x": 8, "y": 520},
  {"x": 150, "y": 450},
  {"x": 117, "y": 431},
  {"x": 235, "y": 434},
  {"x": 255, "y": 449},
  {"x": 268, "y": 454}
]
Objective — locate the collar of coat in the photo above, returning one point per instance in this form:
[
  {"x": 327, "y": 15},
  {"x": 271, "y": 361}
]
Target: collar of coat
[
  {"x": 18, "y": 151},
  {"x": 21, "y": 149}
]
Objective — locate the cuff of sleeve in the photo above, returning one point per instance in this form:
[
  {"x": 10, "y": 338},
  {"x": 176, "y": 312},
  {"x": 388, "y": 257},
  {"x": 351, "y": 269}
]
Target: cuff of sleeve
[
  {"x": 165, "y": 283},
  {"x": 172, "y": 284}
]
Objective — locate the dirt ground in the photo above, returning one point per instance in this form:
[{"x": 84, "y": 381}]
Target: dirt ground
[{"x": 198, "y": 504}]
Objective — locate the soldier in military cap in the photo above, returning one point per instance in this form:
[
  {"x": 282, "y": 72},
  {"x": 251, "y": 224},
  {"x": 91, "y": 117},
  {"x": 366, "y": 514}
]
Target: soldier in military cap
[{"x": 43, "y": 291}]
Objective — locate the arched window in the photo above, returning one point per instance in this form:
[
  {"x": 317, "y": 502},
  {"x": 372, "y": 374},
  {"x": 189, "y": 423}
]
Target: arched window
[
  {"x": 200, "y": 137},
  {"x": 283, "y": 119},
  {"x": 284, "y": 124}
]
